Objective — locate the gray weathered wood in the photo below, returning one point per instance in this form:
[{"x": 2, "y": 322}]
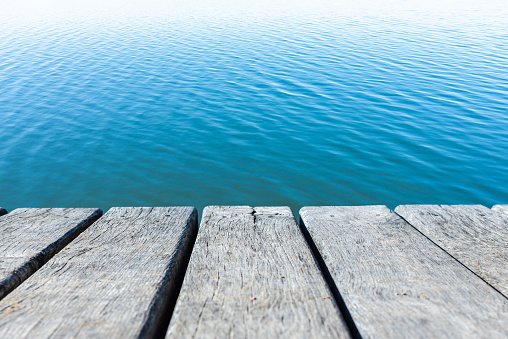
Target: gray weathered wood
[
  {"x": 29, "y": 237},
  {"x": 3, "y": 211},
  {"x": 116, "y": 280},
  {"x": 251, "y": 274},
  {"x": 501, "y": 209},
  {"x": 472, "y": 234},
  {"x": 398, "y": 284}
]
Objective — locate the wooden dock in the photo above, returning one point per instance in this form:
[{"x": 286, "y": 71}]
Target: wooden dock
[{"x": 340, "y": 272}]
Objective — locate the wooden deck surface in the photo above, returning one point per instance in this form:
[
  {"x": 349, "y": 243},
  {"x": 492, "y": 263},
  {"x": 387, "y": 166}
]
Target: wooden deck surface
[
  {"x": 253, "y": 275},
  {"x": 114, "y": 280},
  {"x": 365, "y": 271},
  {"x": 395, "y": 282},
  {"x": 31, "y": 236},
  {"x": 473, "y": 234}
]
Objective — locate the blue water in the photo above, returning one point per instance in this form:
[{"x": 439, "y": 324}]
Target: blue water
[{"x": 257, "y": 103}]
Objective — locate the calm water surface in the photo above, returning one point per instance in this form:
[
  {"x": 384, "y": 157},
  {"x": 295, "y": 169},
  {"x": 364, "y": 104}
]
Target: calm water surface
[{"x": 277, "y": 103}]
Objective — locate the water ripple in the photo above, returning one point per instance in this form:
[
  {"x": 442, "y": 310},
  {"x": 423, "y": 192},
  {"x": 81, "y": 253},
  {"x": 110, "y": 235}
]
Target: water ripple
[{"x": 282, "y": 105}]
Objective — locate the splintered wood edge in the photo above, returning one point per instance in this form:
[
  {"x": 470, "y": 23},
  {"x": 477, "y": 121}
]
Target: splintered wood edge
[{"x": 501, "y": 209}]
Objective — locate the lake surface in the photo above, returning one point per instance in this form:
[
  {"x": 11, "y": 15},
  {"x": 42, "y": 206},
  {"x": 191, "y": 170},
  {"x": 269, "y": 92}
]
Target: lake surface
[{"x": 274, "y": 103}]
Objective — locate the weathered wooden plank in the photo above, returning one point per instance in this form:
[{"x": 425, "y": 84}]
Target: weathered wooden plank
[
  {"x": 472, "y": 234},
  {"x": 501, "y": 209},
  {"x": 116, "y": 280},
  {"x": 395, "y": 282},
  {"x": 252, "y": 274},
  {"x": 31, "y": 236},
  {"x": 3, "y": 211}
]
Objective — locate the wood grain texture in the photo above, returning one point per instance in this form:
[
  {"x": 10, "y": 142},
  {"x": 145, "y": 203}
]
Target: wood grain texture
[
  {"x": 502, "y": 210},
  {"x": 114, "y": 281},
  {"x": 31, "y": 236},
  {"x": 396, "y": 283},
  {"x": 473, "y": 234},
  {"x": 3, "y": 211},
  {"x": 251, "y": 274}
]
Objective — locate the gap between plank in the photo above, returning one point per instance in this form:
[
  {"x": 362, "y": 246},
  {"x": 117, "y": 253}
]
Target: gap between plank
[
  {"x": 353, "y": 330},
  {"x": 448, "y": 253},
  {"x": 169, "y": 299}
]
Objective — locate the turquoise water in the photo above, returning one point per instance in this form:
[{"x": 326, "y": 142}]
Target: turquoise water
[{"x": 278, "y": 103}]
